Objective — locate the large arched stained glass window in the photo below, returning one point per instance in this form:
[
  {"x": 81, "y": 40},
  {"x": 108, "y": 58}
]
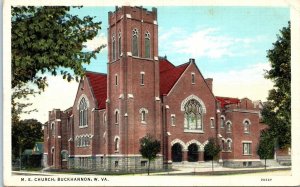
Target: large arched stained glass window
[
  {"x": 83, "y": 111},
  {"x": 135, "y": 51},
  {"x": 193, "y": 115}
]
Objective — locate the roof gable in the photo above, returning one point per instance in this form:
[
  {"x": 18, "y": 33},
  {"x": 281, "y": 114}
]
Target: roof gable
[
  {"x": 170, "y": 75},
  {"x": 98, "y": 83}
]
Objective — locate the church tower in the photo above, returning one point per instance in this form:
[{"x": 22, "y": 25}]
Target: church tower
[{"x": 133, "y": 103}]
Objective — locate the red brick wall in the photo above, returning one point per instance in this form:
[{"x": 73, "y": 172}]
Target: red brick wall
[
  {"x": 84, "y": 88},
  {"x": 128, "y": 68},
  {"x": 184, "y": 88}
]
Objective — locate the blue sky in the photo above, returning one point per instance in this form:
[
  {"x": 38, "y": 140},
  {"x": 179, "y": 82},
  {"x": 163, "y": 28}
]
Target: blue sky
[
  {"x": 219, "y": 38},
  {"x": 229, "y": 45}
]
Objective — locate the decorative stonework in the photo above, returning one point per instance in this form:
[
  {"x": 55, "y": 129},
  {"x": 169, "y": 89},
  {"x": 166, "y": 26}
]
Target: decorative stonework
[{"x": 193, "y": 97}]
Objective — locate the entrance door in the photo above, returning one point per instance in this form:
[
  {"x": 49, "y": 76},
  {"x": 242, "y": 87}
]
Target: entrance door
[
  {"x": 177, "y": 153},
  {"x": 193, "y": 153}
]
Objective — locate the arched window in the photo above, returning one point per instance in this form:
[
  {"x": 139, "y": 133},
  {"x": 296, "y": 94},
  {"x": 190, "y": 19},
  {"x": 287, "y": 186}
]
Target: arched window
[
  {"x": 193, "y": 115},
  {"x": 64, "y": 155},
  {"x": 117, "y": 142},
  {"x": 246, "y": 127},
  {"x": 229, "y": 144},
  {"x": 113, "y": 47},
  {"x": 228, "y": 127},
  {"x": 53, "y": 129},
  {"x": 83, "y": 113},
  {"x": 143, "y": 112},
  {"x": 119, "y": 44},
  {"x": 222, "y": 121},
  {"x": 135, "y": 51},
  {"x": 147, "y": 44}
]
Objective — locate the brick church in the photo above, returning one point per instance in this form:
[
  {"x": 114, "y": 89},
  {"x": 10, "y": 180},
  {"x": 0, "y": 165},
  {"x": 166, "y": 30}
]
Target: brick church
[{"x": 146, "y": 94}]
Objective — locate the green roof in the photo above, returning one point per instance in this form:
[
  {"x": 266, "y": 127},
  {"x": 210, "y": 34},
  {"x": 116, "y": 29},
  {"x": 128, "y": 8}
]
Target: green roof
[{"x": 38, "y": 148}]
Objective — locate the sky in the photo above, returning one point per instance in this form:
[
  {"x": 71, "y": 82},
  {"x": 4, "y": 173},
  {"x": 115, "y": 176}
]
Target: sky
[{"x": 229, "y": 44}]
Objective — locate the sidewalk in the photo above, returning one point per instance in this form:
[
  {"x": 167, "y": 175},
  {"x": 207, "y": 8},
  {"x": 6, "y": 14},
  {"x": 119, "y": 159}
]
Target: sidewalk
[{"x": 178, "y": 171}]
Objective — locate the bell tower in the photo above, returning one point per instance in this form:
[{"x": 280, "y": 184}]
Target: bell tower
[{"x": 133, "y": 104}]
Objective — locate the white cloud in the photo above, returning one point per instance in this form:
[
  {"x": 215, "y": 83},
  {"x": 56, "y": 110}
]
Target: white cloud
[
  {"x": 59, "y": 94},
  {"x": 248, "y": 82},
  {"x": 96, "y": 42},
  {"x": 209, "y": 42}
]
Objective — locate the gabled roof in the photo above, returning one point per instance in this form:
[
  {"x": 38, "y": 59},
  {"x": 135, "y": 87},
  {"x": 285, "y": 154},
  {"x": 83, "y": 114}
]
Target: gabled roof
[
  {"x": 164, "y": 65},
  {"x": 227, "y": 100},
  {"x": 169, "y": 74},
  {"x": 98, "y": 82}
]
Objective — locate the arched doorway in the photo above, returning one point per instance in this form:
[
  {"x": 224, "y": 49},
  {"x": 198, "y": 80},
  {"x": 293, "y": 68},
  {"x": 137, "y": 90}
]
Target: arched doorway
[
  {"x": 193, "y": 153},
  {"x": 177, "y": 153}
]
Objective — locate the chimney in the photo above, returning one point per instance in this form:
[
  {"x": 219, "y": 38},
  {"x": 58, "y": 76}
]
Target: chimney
[
  {"x": 209, "y": 82},
  {"x": 192, "y": 60}
]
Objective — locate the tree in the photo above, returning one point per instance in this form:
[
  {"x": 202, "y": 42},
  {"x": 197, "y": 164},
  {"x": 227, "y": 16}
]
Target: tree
[
  {"x": 265, "y": 149},
  {"x": 149, "y": 148},
  {"x": 48, "y": 39},
  {"x": 24, "y": 135},
  {"x": 212, "y": 149},
  {"x": 277, "y": 111}
]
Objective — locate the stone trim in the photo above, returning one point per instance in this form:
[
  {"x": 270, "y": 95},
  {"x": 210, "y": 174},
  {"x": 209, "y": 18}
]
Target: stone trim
[{"x": 193, "y": 97}]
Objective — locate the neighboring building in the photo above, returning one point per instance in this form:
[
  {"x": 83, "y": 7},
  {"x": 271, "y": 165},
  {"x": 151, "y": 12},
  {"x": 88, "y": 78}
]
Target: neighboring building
[{"x": 143, "y": 93}]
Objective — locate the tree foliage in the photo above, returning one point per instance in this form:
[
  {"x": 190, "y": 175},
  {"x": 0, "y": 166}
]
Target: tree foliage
[
  {"x": 212, "y": 149},
  {"x": 265, "y": 148},
  {"x": 24, "y": 134},
  {"x": 47, "y": 39},
  {"x": 149, "y": 148},
  {"x": 277, "y": 111}
]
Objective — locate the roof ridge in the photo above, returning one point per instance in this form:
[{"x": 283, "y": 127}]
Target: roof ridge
[{"x": 87, "y": 71}]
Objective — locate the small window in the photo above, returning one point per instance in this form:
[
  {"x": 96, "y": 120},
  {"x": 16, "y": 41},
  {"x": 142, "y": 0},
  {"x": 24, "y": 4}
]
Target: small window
[
  {"x": 212, "y": 123},
  {"x": 246, "y": 127},
  {"x": 116, "y": 164},
  {"x": 53, "y": 129},
  {"x": 113, "y": 48},
  {"x": 116, "y": 117},
  {"x": 117, "y": 144},
  {"x": 64, "y": 155},
  {"x": 173, "y": 119},
  {"x": 222, "y": 122},
  {"x": 116, "y": 80},
  {"x": 193, "y": 78},
  {"x": 142, "y": 78},
  {"x": 229, "y": 142},
  {"x": 119, "y": 44},
  {"x": 143, "y": 115},
  {"x": 101, "y": 161},
  {"x": 246, "y": 148},
  {"x": 143, "y": 163},
  {"x": 228, "y": 127}
]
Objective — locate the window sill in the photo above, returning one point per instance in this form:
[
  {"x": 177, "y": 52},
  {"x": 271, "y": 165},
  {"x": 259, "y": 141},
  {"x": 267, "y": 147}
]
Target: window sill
[
  {"x": 144, "y": 122},
  {"x": 81, "y": 127},
  {"x": 226, "y": 151},
  {"x": 228, "y": 132},
  {"x": 193, "y": 131},
  {"x": 247, "y": 154}
]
